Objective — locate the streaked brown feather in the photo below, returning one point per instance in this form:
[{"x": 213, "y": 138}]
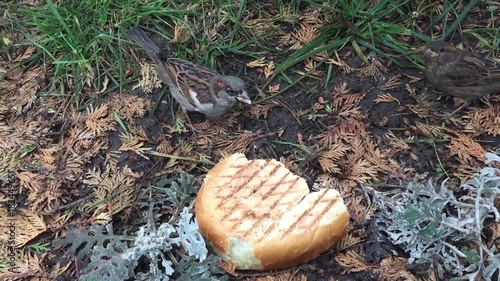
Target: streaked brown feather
[
  {"x": 190, "y": 76},
  {"x": 196, "y": 88},
  {"x": 461, "y": 73}
]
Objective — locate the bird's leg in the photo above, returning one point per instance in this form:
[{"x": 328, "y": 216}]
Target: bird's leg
[
  {"x": 193, "y": 129},
  {"x": 460, "y": 108}
]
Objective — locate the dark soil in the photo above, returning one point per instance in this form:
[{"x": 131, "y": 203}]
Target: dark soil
[
  {"x": 381, "y": 117},
  {"x": 283, "y": 127}
]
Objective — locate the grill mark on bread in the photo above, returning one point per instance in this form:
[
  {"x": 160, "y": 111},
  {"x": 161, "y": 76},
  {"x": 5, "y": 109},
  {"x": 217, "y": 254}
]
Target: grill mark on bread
[
  {"x": 273, "y": 172},
  {"x": 241, "y": 186},
  {"x": 275, "y": 203},
  {"x": 325, "y": 209},
  {"x": 265, "y": 214},
  {"x": 307, "y": 212},
  {"x": 265, "y": 224},
  {"x": 328, "y": 207},
  {"x": 278, "y": 189},
  {"x": 287, "y": 188},
  {"x": 241, "y": 168}
]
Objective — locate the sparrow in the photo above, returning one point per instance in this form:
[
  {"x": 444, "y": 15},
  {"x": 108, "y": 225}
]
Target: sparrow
[
  {"x": 460, "y": 73},
  {"x": 194, "y": 87}
]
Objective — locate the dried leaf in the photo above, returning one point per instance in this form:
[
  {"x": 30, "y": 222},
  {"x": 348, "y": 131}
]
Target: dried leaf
[
  {"x": 358, "y": 211},
  {"x": 257, "y": 63},
  {"x": 328, "y": 158},
  {"x": 309, "y": 68},
  {"x": 375, "y": 69},
  {"x": 260, "y": 26},
  {"x": 430, "y": 130},
  {"x": 484, "y": 120},
  {"x": 181, "y": 33},
  {"x": 347, "y": 242},
  {"x": 262, "y": 109},
  {"x": 48, "y": 197},
  {"x": 98, "y": 120},
  {"x": 386, "y": 98},
  {"x": 287, "y": 276},
  {"x": 466, "y": 149},
  {"x": 394, "y": 268},
  {"x": 128, "y": 106},
  {"x": 133, "y": 143},
  {"x": 20, "y": 92},
  {"x": 228, "y": 268},
  {"x": 149, "y": 79},
  {"x": 26, "y": 225},
  {"x": 397, "y": 143},
  {"x": 114, "y": 186},
  {"x": 352, "y": 262},
  {"x": 341, "y": 89},
  {"x": 25, "y": 55},
  {"x": 391, "y": 83},
  {"x": 363, "y": 171},
  {"x": 272, "y": 89},
  {"x": 269, "y": 69},
  {"x": 305, "y": 34},
  {"x": 239, "y": 142},
  {"x": 340, "y": 63}
]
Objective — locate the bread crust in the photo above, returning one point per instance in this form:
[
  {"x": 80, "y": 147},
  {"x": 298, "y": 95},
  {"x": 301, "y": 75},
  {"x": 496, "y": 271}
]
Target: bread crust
[{"x": 258, "y": 215}]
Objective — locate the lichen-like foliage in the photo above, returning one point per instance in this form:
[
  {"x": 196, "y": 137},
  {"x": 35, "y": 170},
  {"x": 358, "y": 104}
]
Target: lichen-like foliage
[
  {"x": 168, "y": 193},
  {"x": 182, "y": 191},
  {"x": 434, "y": 226},
  {"x": 82, "y": 241},
  {"x": 162, "y": 246}
]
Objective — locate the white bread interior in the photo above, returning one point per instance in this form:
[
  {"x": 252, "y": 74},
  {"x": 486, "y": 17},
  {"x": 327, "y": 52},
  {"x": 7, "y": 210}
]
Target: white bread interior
[{"x": 258, "y": 215}]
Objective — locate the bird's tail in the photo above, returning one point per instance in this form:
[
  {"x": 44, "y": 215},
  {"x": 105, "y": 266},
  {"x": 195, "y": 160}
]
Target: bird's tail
[{"x": 141, "y": 38}]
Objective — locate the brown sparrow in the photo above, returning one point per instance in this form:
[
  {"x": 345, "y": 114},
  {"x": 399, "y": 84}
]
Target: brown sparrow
[
  {"x": 195, "y": 88},
  {"x": 460, "y": 73}
]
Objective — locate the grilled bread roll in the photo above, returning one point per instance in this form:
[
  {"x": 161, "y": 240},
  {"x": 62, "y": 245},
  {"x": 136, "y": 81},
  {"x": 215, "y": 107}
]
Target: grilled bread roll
[{"x": 257, "y": 215}]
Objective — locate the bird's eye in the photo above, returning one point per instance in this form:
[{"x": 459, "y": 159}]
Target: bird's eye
[{"x": 441, "y": 50}]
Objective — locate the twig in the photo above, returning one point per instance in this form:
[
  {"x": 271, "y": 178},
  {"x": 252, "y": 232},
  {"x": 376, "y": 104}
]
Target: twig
[{"x": 155, "y": 153}]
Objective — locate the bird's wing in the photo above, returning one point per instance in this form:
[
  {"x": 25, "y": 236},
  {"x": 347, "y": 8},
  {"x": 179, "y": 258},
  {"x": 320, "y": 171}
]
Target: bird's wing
[
  {"x": 472, "y": 70},
  {"x": 193, "y": 81}
]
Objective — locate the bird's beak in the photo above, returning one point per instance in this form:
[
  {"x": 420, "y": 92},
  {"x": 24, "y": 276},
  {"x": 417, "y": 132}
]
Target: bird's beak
[
  {"x": 422, "y": 49},
  {"x": 429, "y": 53},
  {"x": 244, "y": 98}
]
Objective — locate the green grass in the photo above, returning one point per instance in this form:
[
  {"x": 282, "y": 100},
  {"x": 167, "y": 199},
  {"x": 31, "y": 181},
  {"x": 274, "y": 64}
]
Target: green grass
[
  {"x": 81, "y": 42},
  {"x": 382, "y": 28},
  {"x": 39, "y": 248},
  {"x": 83, "y": 46}
]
